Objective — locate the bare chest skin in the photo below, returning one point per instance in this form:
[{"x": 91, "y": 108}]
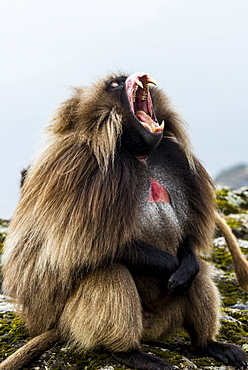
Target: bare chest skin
[{"x": 162, "y": 210}]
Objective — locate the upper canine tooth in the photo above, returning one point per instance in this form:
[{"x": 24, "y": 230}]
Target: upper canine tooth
[
  {"x": 139, "y": 83},
  {"x": 151, "y": 81}
]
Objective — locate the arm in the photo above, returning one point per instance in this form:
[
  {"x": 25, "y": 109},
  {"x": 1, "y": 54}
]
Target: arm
[
  {"x": 181, "y": 280},
  {"x": 146, "y": 259}
]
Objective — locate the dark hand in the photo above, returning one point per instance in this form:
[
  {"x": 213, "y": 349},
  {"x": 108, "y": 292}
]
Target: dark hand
[
  {"x": 171, "y": 266},
  {"x": 181, "y": 280}
]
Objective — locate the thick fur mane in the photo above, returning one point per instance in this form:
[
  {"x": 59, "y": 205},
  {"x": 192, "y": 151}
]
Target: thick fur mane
[
  {"x": 102, "y": 248},
  {"x": 75, "y": 199}
]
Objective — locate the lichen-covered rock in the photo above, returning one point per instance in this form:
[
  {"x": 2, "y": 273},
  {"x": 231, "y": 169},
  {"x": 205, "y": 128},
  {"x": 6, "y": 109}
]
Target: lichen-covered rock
[
  {"x": 176, "y": 350},
  {"x": 234, "y": 206},
  {"x": 232, "y": 200},
  {"x": 239, "y": 224}
]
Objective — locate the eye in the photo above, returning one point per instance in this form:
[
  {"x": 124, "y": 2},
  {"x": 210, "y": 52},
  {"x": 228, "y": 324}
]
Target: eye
[{"x": 116, "y": 83}]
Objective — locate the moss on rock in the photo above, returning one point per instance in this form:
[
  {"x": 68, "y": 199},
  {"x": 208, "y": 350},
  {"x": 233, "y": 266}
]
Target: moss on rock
[
  {"x": 12, "y": 333},
  {"x": 232, "y": 201},
  {"x": 225, "y": 202}
]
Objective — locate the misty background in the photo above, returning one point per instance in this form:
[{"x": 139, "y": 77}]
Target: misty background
[{"x": 196, "y": 50}]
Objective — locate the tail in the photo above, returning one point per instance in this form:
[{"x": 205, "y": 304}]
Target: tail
[
  {"x": 30, "y": 350},
  {"x": 239, "y": 261}
]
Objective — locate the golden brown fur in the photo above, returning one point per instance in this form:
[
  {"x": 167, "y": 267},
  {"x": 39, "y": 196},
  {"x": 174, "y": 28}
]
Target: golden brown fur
[
  {"x": 82, "y": 202},
  {"x": 72, "y": 198}
]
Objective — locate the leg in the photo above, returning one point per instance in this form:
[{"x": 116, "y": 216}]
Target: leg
[
  {"x": 202, "y": 321},
  {"x": 106, "y": 312}
]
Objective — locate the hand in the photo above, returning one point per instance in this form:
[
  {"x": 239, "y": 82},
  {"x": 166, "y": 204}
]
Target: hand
[{"x": 180, "y": 281}]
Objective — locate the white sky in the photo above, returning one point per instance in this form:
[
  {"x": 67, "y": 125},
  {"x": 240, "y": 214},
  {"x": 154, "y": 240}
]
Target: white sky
[{"x": 197, "y": 51}]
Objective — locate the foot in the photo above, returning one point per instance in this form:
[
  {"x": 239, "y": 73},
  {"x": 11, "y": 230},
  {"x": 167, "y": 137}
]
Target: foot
[
  {"x": 227, "y": 353},
  {"x": 141, "y": 360}
]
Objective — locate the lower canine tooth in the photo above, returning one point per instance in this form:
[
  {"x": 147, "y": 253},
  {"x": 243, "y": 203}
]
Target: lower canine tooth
[{"x": 162, "y": 125}]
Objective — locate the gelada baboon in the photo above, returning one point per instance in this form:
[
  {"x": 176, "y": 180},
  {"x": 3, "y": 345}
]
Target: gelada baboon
[{"x": 101, "y": 250}]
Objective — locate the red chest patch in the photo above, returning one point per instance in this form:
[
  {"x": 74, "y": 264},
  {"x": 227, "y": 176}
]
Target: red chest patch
[{"x": 158, "y": 193}]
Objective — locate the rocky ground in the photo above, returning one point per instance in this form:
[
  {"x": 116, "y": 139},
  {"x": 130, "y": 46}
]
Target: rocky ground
[{"x": 176, "y": 351}]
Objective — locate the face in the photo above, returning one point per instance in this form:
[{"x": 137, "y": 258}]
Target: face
[{"x": 141, "y": 130}]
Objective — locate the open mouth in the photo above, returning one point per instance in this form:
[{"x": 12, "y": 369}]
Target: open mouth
[{"x": 140, "y": 101}]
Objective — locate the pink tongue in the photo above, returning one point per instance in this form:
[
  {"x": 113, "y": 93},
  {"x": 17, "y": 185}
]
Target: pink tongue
[
  {"x": 158, "y": 193},
  {"x": 143, "y": 117}
]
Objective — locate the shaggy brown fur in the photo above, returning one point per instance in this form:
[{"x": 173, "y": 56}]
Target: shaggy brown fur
[{"x": 84, "y": 204}]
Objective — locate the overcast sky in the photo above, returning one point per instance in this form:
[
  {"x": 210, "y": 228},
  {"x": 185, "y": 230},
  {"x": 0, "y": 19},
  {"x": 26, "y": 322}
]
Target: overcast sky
[{"x": 197, "y": 51}]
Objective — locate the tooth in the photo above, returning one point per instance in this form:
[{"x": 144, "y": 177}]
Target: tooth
[
  {"x": 134, "y": 93},
  {"x": 139, "y": 83},
  {"x": 151, "y": 81},
  {"x": 146, "y": 126},
  {"x": 162, "y": 125},
  {"x": 145, "y": 93}
]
